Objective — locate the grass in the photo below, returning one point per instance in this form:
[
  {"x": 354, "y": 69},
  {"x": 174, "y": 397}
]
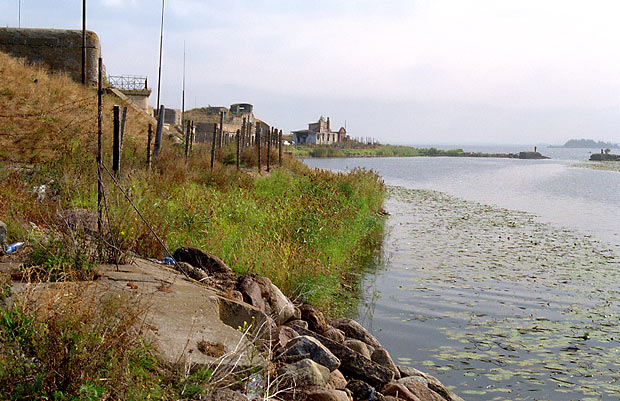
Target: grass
[
  {"x": 308, "y": 231},
  {"x": 376, "y": 150}
]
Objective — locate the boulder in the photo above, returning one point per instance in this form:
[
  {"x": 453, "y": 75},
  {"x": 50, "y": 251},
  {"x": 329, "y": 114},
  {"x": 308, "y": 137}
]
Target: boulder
[
  {"x": 418, "y": 386},
  {"x": 354, "y": 330},
  {"x": 80, "y": 220},
  {"x": 383, "y": 358},
  {"x": 328, "y": 395},
  {"x": 314, "y": 317},
  {"x": 336, "y": 381},
  {"x": 306, "y": 347},
  {"x": 303, "y": 374},
  {"x": 432, "y": 382},
  {"x": 362, "y": 390},
  {"x": 399, "y": 392},
  {"x": 298, "y": 324},
  {"x": 358, "y": 346},
  {"x": 352, "y": 363},
  {"x": 334, "y": 334},
  {"x": 191, "y": 271},
  {"x": 251, "y": 292},
  {"x": 201, "y": 259},
  {"x": 277, "y": 305},
  {"x": 3, "y": 243},
  {"x": 281, "y": 335}
]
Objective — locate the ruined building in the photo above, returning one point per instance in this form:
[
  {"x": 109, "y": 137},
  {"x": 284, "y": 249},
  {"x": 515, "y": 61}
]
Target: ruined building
[{"x": 320, "y": 133}]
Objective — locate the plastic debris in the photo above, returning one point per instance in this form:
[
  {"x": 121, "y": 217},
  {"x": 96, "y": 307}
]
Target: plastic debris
[
  {"x": 13, "y": 247},
  {"x": 168, "y": 261}
]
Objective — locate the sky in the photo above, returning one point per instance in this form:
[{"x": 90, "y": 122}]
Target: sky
[{"x": 400, "y": 71}]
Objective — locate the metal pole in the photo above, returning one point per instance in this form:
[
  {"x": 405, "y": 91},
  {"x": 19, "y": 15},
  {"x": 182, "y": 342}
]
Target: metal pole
[
  {"x": 148, "y": 147},
  {"x": 183, "y": 101},
  {"x": 19, "y": 13},
  {"x": 161, "y": 46},
  {"x": 100, "y": 148},
  {"x": 187, "y": 140},
  {"x": 238, "y": 147},
  {"x": 83, "y": 42},
  {"x": 269, "y": 131},
  {"x": 280, "y": 148},
  {"x": 158, "y": 132}
]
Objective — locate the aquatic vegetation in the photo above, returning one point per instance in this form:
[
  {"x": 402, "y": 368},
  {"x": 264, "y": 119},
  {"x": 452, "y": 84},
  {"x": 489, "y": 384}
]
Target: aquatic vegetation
[{"x": 512, "y": 308}]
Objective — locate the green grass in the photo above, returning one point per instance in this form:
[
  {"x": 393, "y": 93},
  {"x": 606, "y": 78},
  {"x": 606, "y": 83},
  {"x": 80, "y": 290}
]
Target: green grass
[{"x": 376, "y": 150}]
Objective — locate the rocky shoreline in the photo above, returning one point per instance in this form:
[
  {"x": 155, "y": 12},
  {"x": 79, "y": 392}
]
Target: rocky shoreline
[{"x": 314, "y": 359}]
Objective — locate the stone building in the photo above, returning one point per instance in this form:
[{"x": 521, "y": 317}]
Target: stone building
[
  {"x": 208, "y": 122},
  {"x": 319, "y": 133}
]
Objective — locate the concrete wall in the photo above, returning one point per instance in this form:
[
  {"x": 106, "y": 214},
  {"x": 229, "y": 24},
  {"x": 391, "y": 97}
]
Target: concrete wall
[{"x": 59, "y": 49}]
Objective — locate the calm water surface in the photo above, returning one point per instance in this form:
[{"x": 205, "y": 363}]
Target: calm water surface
[{"x": 500, "y": 276}]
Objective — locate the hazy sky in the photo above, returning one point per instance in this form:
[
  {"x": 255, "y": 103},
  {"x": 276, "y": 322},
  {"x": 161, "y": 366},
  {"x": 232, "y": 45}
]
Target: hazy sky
[{"x": 402, "y": 71}]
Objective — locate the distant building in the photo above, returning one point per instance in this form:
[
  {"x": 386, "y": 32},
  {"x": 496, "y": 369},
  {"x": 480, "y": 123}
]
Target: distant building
[
  {"x": 233, "y": 117},
  {"x": 320, "y": 133}
]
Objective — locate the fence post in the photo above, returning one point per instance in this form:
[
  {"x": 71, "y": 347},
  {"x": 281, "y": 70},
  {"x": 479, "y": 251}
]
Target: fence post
[
  {"x": 116, "y": 141},
  {"x": 191, "y": 141},
  {"x": 238, "y": 148},
  {"x": 269, "y": 131},
  {"x": 213, "y": 146},
  {"x": 280, "y": 148},
  {"x": 243, "y": 129},
  {"x": 257, "y": 140},
  {"x": 123, "y": 120},
  {"x": 219, "y": 142},
  {"x": 148, "y": 147},
  {"x": 100, "y": 148},
  {"x": 188, "y": 134},
  {"x": 160, "y": 127}
]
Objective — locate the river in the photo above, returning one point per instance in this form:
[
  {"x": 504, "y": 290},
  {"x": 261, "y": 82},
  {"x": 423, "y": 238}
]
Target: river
[{"x": 499, "y": 276}]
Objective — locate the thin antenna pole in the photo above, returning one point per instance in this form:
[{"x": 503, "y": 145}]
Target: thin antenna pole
[
  {"x": 183, "y": 100},
  {"x": 83, "y": 42},
  {"x": 19, "y": 13},
  {"x": 161, "y": 46}
]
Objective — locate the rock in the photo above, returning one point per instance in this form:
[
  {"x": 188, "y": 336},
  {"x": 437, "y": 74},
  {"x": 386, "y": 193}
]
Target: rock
[
  {"x": 418, "y": 386},
  {"x": 282, "y": 335},
  {"x": 432, "y": 383},
  {"x": 224, "y": 394},
  {"x": 336, "y": 381},
  {"x": 303, "y": 374},
  {"x": 80, "y": 220},
  {"x": 298, "y": 324},
  {"x": 354, "y": 330},
  {"x": 191, "y": 271},
  {"x": 314, "y": 317},
  {"x": 358, "y": 346},
  {"x": 352, "y": 363},
  {"x": 3, "y": 243},
  {"x": 383, "y": 358},
  {"x": 306, "y": 347},
  {"x": 334, "y": 334},
  {"x": 201, "y": 259},
  {"x": 237, "y": 296},
  {"x": 251, "y": 292},
  {"x": 282, "y": 308},
  {"x": 362, "y": 390},
  {"x": 399, "y": 391},
  {"x": 328, "y": 395}
]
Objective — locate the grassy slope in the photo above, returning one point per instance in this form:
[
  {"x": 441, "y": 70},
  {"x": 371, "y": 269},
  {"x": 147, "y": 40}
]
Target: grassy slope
[{"x": 306, "y": 230}]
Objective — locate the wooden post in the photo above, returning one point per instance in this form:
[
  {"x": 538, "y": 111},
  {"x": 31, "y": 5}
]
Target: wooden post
[
  {"x": 238, "y": 148},
  {"x": 116, "y": 141},
  {"x": 280, "y": 148},
  {"x": 219, "y": 142},
  {"x": 243, "y": 131},
  {"x": 158, "y": 132},
  {"x": 100, "y": 148},
  {"x": 269, "y": 132},
  {"x": 213, "y": 146},
  {"x": 123, "y": 121},
  {"x": 257, "y": 140},
  {"x": 187, "y": 140},
  {"x": 148, "y": 147},
  {"x": 191, "y": 138}
]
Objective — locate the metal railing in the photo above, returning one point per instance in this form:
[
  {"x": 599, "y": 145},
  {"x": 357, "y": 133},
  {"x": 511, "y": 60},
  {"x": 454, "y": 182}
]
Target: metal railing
[{"x": 128, "y": 82}]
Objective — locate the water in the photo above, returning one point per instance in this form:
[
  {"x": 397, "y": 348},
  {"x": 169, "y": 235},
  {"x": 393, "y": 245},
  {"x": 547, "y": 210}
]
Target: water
[{"x": 500, "y": 276}]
